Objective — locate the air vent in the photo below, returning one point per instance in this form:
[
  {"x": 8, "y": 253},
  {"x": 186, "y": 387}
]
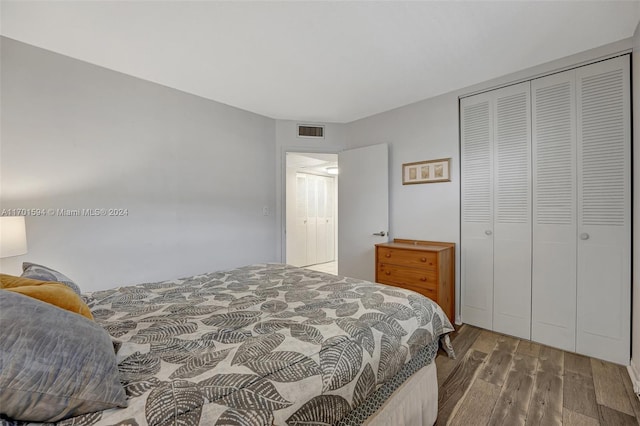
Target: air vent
[{"x": 306, "y": 131}]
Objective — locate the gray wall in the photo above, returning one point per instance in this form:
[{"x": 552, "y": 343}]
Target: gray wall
[{"x": 193, "y": 174}]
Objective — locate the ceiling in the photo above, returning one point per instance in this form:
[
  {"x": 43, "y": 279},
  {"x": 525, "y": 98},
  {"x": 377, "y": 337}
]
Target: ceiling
[
  {"x": 312, "y": 162},
  {"x": 317, "y": 61}
]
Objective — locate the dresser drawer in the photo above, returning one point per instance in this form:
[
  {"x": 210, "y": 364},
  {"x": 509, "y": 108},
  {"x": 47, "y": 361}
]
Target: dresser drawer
[
  {"x": 422, "y": 259},
  {"x": 418, "y": 278},
  {"x": 426, "y": 267},
  {"x": 429, "y": 292}
]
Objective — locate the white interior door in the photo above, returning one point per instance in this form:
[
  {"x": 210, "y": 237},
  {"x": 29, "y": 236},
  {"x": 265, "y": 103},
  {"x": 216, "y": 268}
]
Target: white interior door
[
  {"x": 363, "y": 208},
  {"x": 476, "y": 246},
  {"x": 312, "y": 220},
  {"x": 604, "y": 206},
  {"x": 331, "y": 223},
  {"x": 553, "y": 304},
  {"x": 512, "y": 211},
  {"x": 321, "y": 224},
  {"x": 297, "y": 221}
]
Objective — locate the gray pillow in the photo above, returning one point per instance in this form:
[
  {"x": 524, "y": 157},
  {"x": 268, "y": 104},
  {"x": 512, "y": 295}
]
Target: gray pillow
[
  {"x": 42, "y": 273},
  {"x": 54, "y": 364}
]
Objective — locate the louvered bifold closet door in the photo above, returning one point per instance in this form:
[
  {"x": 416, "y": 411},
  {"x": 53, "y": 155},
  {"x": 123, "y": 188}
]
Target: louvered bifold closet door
[
  {"x": 512, "y": 211},
  {"x": 553, "y": 295},
  {"x": 476, "y": 239},
  {"x": 331, "y": 222},
  {"x": 604, "y": 206},
  {"x": 312, "y": 220},
  {"x": 297, "y": 241}
]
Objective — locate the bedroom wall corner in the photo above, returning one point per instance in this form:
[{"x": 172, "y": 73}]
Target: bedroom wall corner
[
  {"x": 634, "y": 368},
  {"x": 191, "y": 175},
  {"x": 425, "y": 130}
]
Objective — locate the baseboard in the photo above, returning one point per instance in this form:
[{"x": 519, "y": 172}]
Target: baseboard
[{"x": 635, "y": 378}]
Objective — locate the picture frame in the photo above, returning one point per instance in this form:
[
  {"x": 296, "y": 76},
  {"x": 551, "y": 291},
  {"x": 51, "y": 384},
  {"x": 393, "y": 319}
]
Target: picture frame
[{"x": 429, "y": 171}]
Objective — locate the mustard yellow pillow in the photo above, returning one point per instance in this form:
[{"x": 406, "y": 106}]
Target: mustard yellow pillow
[
  {"x": 51, "y": 292},
  {"x": 10, "y": 281}
]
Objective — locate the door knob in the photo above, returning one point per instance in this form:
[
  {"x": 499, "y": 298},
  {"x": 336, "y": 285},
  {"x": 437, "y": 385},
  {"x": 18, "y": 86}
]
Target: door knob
[
  {"x": 380, "y": 234},
  {"x": 584, "y": 236},
  {"x": 488, "y": 232}
]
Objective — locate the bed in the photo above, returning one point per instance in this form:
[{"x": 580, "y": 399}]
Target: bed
[{"x": 270, "y": 344}]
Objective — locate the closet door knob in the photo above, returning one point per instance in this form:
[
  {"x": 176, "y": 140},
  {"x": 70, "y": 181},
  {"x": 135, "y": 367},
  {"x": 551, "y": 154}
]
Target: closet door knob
[
  {"x": 488, "y": 232},
  {"x": 584, "y": 236}
]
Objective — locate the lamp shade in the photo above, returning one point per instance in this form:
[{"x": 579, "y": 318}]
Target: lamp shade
[{"x": 13, "y": 236}]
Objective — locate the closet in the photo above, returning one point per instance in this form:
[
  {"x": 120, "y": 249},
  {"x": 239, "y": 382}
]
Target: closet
[
  {"x": 314, "y": 240},
  {"x": 546, "y": 212}
]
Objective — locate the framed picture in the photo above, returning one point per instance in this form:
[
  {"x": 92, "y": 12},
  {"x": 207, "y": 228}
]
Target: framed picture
[{"x": 429, "y": 171}]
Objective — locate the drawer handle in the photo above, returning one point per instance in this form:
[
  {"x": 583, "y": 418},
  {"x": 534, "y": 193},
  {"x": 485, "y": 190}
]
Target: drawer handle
[
  {"x": 387, "y": 273},
  {"x": 387, "y": 255},
  {"x": 423, "y": 259},
  {"x": 423, "y": 279}
]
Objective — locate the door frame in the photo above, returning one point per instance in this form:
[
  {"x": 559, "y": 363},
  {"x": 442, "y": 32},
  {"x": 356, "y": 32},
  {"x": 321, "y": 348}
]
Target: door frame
[{"x": 283, "y": 189}]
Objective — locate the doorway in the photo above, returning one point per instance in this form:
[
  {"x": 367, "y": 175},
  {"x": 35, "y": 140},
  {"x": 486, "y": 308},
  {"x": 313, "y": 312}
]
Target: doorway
[{"x": 311, "y": 211}]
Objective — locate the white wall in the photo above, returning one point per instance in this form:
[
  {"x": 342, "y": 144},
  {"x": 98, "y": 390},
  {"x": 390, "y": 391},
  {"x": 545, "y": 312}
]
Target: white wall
[
  {"x": 635, "y": 307},
  {"x": 429, "y": 130},
  {"x": 193, "y": 174}
]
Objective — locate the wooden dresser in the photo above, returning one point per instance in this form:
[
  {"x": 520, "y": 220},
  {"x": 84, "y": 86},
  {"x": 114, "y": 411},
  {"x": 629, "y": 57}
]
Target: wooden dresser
[{"x": 426, "y": 267}]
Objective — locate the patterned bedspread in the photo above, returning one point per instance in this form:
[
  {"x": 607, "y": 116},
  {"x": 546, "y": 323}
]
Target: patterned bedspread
[{"x": 263, "y": 344}]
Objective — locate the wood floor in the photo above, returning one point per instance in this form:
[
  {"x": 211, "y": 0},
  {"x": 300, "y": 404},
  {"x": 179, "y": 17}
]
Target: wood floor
[{"x": 502, "y": 380}]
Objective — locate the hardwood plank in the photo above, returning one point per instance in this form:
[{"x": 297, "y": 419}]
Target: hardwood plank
[
  {"x": 497, "y": 366},
  {"x": 462, "y": 341},
  {"x": 465, "y": 337},
  {"x": 513, "y": 403},
  {"x": 609, "y": 416},
  {"x": 571, "y": 418},
  {"x": 567, "y": 388},
  {"x": 609, "y": 387},
  {"x": 477, "y": 404},
  {"x": 633, "y": 398},
  {"x": 527, "y": 347},
  {"x": 546, "y": 402},
  {"x": 485, "y": 342},
  {"x": 579, "y": 394},
  {"x": 577, "y": 364},
  {"x": 452, "y": 390}
]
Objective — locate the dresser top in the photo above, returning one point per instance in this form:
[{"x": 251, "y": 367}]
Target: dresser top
[{"x": 417, "y": 247}]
